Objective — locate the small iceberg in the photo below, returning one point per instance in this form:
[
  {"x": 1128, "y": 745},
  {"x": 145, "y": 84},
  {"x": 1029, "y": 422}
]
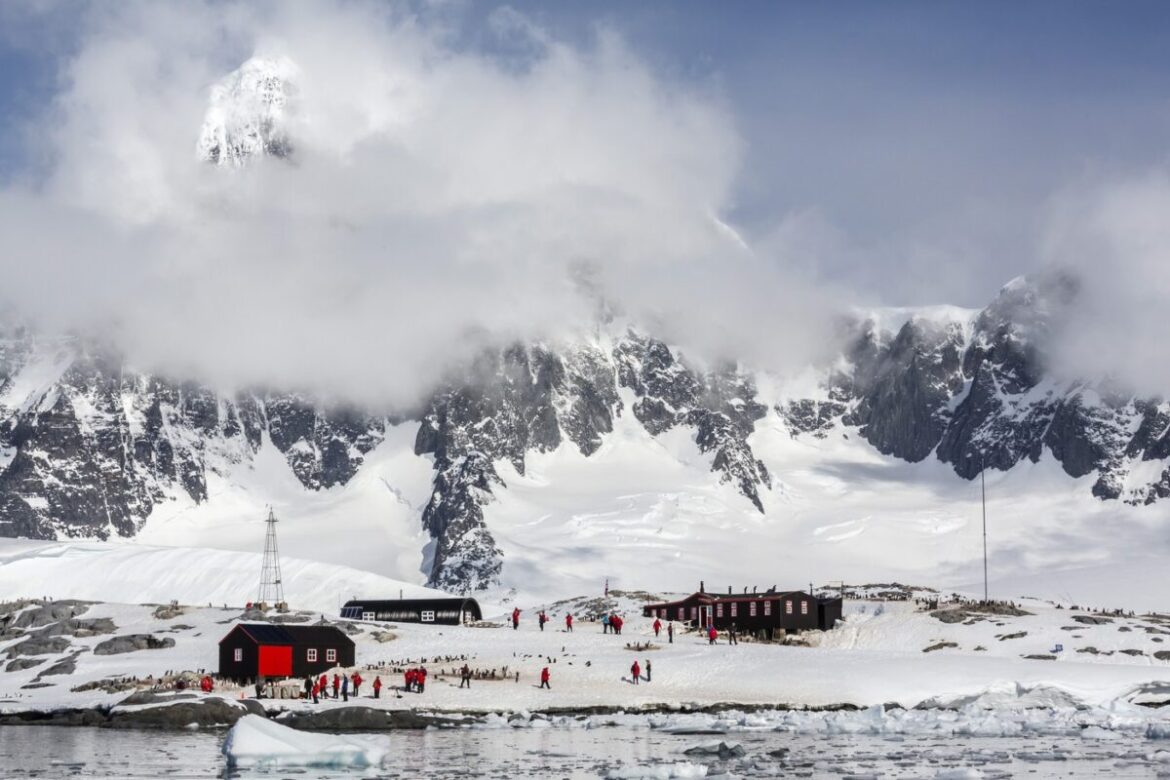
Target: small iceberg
[{"x": 256, "y": 742}]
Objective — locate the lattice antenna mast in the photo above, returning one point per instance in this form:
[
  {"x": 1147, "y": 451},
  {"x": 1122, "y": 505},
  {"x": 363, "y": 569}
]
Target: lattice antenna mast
[{"x": 271, "y": 586}]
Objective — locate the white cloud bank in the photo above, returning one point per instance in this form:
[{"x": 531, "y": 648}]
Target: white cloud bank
[{"x": 436, "y": 200}]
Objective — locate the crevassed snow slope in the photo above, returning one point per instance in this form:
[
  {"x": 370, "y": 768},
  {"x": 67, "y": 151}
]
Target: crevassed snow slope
[
  {"x": 647, "y": 513},
  {"x": 136, "y": 574}
]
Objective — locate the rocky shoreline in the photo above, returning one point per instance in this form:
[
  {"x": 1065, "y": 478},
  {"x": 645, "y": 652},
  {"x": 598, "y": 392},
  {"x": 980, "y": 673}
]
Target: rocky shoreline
[{"x": 186, "y": 711}]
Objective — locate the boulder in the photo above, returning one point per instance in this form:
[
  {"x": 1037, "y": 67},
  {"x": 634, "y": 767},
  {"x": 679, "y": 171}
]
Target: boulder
[
  {"x": 39, "y": 646},
  {"x": 129, "y": 643},
  {"x": 720, "y": 749}
]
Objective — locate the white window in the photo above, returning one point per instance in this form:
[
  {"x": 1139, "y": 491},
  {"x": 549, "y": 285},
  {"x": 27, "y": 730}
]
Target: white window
[
  {"x": 368, "y": 616},
  {"x": 804, "y": 607},
  {"x": 718, "y": 610},
  {"x": 662, "y": 612},
  {"x": 428, "y": 616},
  {"x": 752, "y": 609},
  {"x": 311, "y": 654},
  {"x": 734, "y": 609},
  {"x": 694, "y": 612},
  {"x": 682, "y": 613},
  {"x": 331, "y": 655},
  {"x": 238, "y": 654},
  {"x": 788, "y": 607},
  {"x": 767, "y": 608}
]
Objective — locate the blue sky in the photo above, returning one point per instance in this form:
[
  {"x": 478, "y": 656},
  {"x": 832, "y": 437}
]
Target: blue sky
[{"x": 927, "y": 140}]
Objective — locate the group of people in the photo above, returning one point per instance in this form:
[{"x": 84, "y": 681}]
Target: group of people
[
  {"x": 611, "y": 623},
  {"x": 669, "y": 630},
  {"x": 342, "y": 685},
  {"x": 416, "y": 679},
  {"x": 732, "y": 635},
  {"x": 636, "y": 672}
]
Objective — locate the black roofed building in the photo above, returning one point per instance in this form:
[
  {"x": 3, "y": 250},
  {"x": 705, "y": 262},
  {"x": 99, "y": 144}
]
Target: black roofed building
[
  {"x": 760, "y": 614},
  {"x": 451, "y": 611},
  {"x": 254, "y": 650}
]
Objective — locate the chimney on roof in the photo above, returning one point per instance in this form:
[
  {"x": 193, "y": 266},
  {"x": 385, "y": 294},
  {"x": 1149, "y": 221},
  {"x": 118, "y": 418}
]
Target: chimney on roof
[
  {"x": 745, "y": 590},
  {"x": 753, "y": 590},
  {"x": 728, "y": 590},
  {"x": 702, "y": 587}
]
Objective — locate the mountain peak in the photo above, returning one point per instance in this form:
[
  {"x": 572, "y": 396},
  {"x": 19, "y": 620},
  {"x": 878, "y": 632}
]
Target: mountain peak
[{"x": 247, "y": 113}]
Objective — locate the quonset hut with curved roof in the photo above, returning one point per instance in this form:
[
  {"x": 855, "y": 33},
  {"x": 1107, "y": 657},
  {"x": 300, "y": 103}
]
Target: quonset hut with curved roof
[{"x": 452, "y": 611}]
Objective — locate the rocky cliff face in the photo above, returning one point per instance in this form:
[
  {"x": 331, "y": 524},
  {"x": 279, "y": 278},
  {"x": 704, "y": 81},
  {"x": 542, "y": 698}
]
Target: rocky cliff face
[{"x": 977, "y": 393}]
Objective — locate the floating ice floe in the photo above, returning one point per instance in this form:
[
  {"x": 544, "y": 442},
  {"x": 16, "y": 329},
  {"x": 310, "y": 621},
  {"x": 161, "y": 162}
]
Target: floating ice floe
[
  {"x": 258, "y": 742},
  {"x": 681, "y": 769}
]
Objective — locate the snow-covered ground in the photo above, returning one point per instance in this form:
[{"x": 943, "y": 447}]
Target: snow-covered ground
[
  {"x": 135, "y": 573},
  {"x": 878, "y": 655}
]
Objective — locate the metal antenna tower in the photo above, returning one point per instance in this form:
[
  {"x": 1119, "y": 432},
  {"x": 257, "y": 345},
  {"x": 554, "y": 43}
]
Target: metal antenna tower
[{"x": 271, "y": 586}]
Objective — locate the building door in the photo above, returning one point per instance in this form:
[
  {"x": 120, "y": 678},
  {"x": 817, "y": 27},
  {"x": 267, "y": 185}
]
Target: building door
[
  {"x": 275, "y": 661},
  {"x": 705, "y": 616}
]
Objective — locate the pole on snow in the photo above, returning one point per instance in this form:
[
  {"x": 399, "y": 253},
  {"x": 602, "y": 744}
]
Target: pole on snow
[{"x": 983, "y": 490}]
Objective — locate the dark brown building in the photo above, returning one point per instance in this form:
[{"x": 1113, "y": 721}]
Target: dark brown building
[
  {"x": 254, "y": 650},
  {"x": 760, "y": 614}
]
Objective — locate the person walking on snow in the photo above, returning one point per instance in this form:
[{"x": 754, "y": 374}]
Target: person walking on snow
[
  {"x": 569, "y": 622},
  {"x": 357, "y": 684},
  {"x": 657, "y": 627},
  {"x": 647, "y": 670},
  {"x": 408, "y": 679},
  {"x": 544, "y": 678},
  {"x": 316, "y": 692},
  {"x": 636, "y": 672},
  {"x": 731, "y": 636},
  {"x": 378, "y": 685},
  {"x": 345, "y": 688},
  {"x": 711, "y": 635},
  {"x": 465, "y": 677},
  {"x": 542, "y": 619},
  {"x": 605, "y": 624},
  {"x": 324, "y": 683},
  {"x": 670, "y": 631},
  {"x": 422, "y": 679},
  {"x": 336, "y": 684},
  {"x": 515, "y": 618},
  {"x": 616, "y": 623}
]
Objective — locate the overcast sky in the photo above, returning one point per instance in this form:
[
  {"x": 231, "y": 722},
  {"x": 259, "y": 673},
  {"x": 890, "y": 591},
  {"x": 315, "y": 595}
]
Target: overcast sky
[{"x": 898, "y": 153}]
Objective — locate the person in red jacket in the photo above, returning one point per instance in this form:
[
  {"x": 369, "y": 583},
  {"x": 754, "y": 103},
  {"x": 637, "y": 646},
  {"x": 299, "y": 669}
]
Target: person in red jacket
[
  {"x": 408, "y": 679},
  {"x": 357, "y": 683},
  {"x": 636, "y": 672},
  {"x": 515, "y": 618},
  {"x": 316, "y": 692},
  {"x": 542, "y": 619},
  {"x": 544, "y": 675},
  {"x": 615, "y": 623},
  {"x": 336, "y": 684},
  {"x": 711, "y": 635},
  {"x": 377, "y": 687},
  {"x": 657, "y": 627},
  {"x": 324, "y": 683},
  {"x": 569, "y": 622}
]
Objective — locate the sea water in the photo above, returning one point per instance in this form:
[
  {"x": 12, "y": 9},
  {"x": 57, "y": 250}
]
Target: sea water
[{"x": 63, "y": 752}]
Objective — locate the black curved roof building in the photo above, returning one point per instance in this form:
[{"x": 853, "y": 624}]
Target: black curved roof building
[{"x": 452, "y": 611}]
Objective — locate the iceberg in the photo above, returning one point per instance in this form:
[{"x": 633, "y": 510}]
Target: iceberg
[{"x": 256, "y": 741}]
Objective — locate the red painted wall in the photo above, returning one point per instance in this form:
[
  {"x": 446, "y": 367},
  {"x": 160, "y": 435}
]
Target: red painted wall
[{"x": 275, "y": 661}]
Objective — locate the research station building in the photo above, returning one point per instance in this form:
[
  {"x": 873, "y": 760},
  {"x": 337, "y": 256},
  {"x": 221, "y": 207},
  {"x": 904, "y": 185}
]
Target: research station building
[{"x": 254, "y": 650}]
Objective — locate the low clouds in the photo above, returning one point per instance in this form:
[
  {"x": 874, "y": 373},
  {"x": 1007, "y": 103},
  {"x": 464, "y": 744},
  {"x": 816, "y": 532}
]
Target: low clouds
[
  {"x": 436, "y": 201},
  {"x": 1114, "y": 235}
]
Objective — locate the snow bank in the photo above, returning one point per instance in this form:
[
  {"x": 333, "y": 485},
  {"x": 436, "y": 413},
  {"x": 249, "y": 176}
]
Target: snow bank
[
  {"x": 190, "y": 575},
  {"x": 258, "y": 742}
]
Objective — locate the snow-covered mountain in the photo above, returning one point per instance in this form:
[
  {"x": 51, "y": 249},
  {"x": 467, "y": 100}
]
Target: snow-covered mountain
[
  {"x": 545, "y": 464},
  {"x": 248, "y": 113},
  {"x": 621, "y": 428}
]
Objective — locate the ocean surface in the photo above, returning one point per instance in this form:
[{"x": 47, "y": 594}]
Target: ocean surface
[{"x": 60, "y": 752}]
